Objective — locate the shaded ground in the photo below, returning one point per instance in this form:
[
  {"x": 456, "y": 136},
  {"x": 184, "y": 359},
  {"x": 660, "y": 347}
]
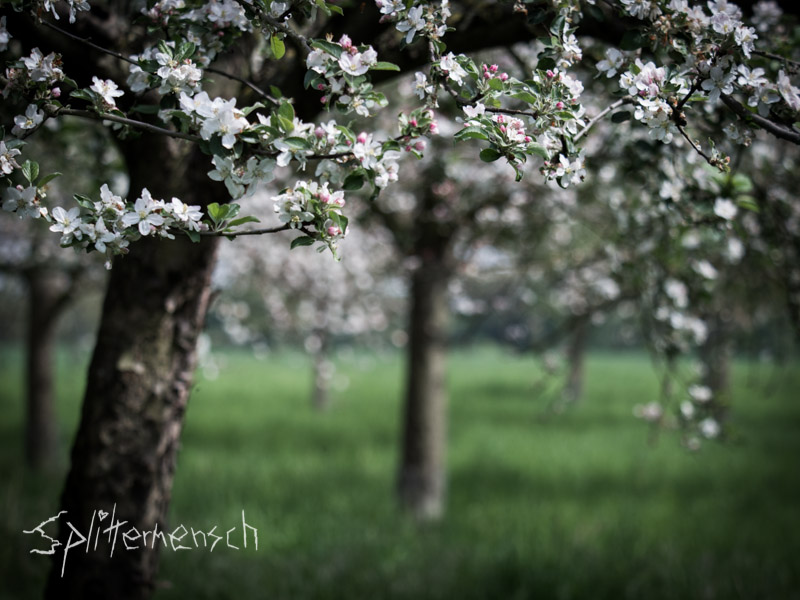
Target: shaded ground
[{"x": 582, "y": 505}]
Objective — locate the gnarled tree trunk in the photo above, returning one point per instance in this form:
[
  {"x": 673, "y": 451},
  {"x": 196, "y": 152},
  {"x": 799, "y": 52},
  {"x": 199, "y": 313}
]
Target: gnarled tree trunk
[{"x": 123, "y": 458}]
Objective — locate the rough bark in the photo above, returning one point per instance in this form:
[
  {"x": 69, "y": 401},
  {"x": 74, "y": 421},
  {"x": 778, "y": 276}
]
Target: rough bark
[
  {"x": 47, "y": 296},
  {"x": 124, "y": 454}
]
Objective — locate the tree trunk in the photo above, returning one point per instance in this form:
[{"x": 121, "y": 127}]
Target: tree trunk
[
  {"x": 123, "y": 458},
  {"x": 46, "y": 299},
  {"x": 422, "y": 476},
  {"x": 715, "y": 354},
  {"x": 576, "y": 353},
  {"x": 323, "y": 374}
]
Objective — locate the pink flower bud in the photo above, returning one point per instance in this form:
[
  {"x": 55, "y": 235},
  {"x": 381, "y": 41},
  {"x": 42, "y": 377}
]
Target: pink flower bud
[
  {"x": 407, "y": 148},
  {"x": 420, "y": 145},
  {"x": 503, "y": 128},
  {"x": 500, "y": 119},
  {"x": 320, "y": 86},
  {"x": 324, "y": 99},
  {"x": 434, "y": 127},
  {"x": 503, "y": 76},
  {"x": 56, "y": 92},
  {"x": 487, "y": 75},
  {"x": 412, "y": 122},
  {"x": 319, "y": 132},
  {"x": 333, "y": 230},
  {"x": 362, "y": 137},
  {"x": 550, "y": 73},
  {"x": 324, "y": 197},
  {"x": 527, "y": 139},
  {"x": 345, "y": 42},
  {"x": 559, "y": 105},
  {"x": 493, "y": 68}
]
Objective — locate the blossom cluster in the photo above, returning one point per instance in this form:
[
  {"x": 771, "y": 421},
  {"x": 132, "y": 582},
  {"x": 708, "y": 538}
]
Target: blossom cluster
[
  {"x": 338, "y": 69},
  {"x": 426, "y": 20},
  {"x": 311, "y": 207},
  {"x": 110, "y": 224},
  {"x": 714, "y": 65}
]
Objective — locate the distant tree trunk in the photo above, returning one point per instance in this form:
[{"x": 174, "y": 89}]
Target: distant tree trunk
[
  {"x": 576, "y": 353},
  {"x": 123, "y": 458},
  {"x": 323, "y": 371},
  {"x": 48, "y": 293},
  {"x": 422, "y": 476},
  {"x": 715, "y": 354}
]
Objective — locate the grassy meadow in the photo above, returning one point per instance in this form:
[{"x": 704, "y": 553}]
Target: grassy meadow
[{"x": 585, "y": 504}]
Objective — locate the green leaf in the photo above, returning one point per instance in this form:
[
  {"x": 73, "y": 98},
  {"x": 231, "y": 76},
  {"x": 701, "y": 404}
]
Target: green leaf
[
  {"x": 309, "y": 78},
  {"x": 304, "y": 240},
  {"x": 621, "y": 116},
  {"x": 323, "y": 6},
  {"x": 557, "y": 25},
  {"x": 354, "y": 181},
  {"x": 525, "y": 97},
  {"x": 384, "y": 66},
  {"x": 243, "y": 220},
  {"x": 328, "y": 47},
  {"x": 185, "y": 50},
  {"x": 286, "y": 111},
  {"x": 216, "y": 212},
  {"x": 336, "y": 9},
  {"x": 162, "y": 46},
  {"x": 30, "y": 170},
  {"x": 82, "y": 95},
  {"x": 545, "y": 63},
  {"x": 296, "y": 143},
  {"x": 48, "y": 178},
  {"x": 84, "y": 201},
  {"x": 275, "y": 91},
  {"x": 193, "y": 235},
  {"x": 540, "y": 150},
  {"x": 471, "y": 133},
  {"x": 496, "y": 84},
  {"x": 277, "y": 46},
  {"x": 490, "y": 155},
  {"x": 748, "y": 203}
]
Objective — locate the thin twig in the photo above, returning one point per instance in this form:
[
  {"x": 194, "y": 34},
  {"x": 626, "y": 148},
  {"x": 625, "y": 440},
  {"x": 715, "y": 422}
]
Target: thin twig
[
  {"x": 89, "y": 43},
  {"x": 600, "y": 115},
  {"x": 284, "y": 227},
  {"x": 777, "y": 57},
  {"x": 244, "y": 81},
  {"x": 55, "y": 111},
  {"x": 695, "y": 146}
]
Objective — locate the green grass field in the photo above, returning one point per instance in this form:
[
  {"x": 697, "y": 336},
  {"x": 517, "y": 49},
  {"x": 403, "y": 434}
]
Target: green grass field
[{"x": 582, "y": 505}]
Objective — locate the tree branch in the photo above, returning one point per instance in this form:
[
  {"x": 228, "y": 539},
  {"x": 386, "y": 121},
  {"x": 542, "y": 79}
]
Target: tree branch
[
  {"x": 775, "y": 129},
  {"x": 601, "y": 114},
  {"x": 55, "y": 111}
]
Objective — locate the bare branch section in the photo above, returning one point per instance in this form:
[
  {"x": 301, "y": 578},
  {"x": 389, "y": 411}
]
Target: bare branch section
[
  {"x": 122, "y": 57},
  {"x": 774, "y": 128},
  {"x": 262, "y": 231},
  {"x": 56, "y": 111},
  {"x": 601, "y": 114}
]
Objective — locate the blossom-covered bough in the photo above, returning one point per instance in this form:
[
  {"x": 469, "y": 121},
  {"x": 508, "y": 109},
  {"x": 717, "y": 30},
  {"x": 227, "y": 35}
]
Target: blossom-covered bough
[
  {"x": 683, "y": 59},
  {"x": 680, "y": 72}
]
